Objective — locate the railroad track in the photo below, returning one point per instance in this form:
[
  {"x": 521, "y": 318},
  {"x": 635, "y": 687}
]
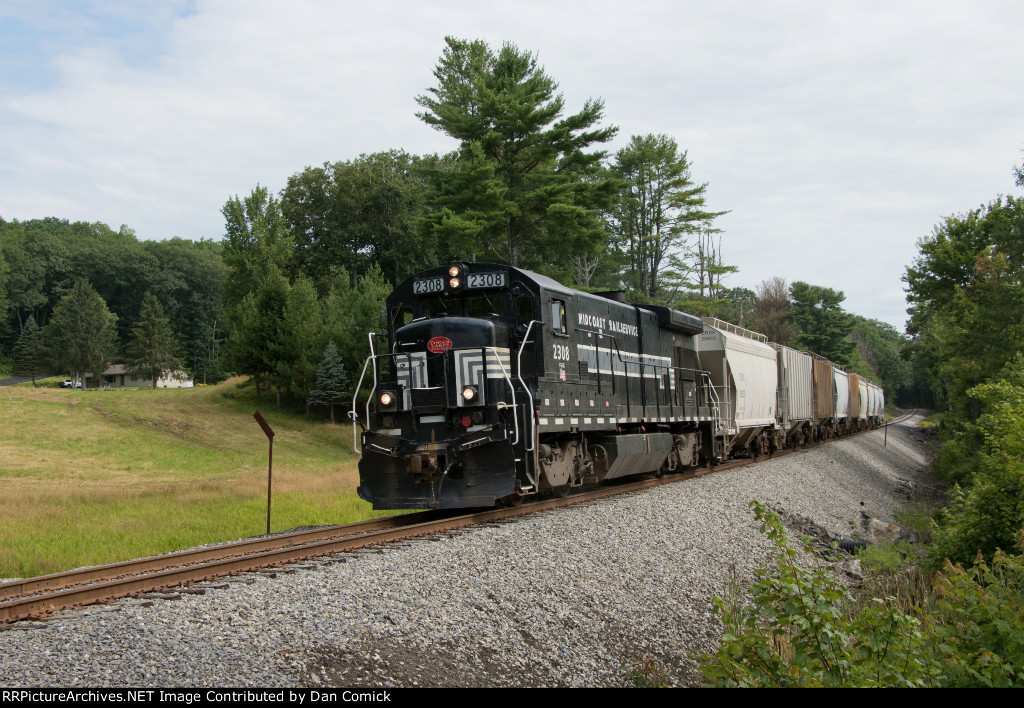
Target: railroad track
[{"x": 38, "y": 597}]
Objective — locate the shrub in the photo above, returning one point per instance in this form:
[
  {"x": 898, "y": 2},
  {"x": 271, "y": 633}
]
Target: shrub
[
  {"x": 801, "y": 628},
  {"x": 797, "y": 631},
  {"x": 988, "y": 456}
]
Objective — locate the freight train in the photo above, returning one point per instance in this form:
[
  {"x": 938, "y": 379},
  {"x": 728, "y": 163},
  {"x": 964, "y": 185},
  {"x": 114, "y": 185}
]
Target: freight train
[{"x": 494, "y": 383}]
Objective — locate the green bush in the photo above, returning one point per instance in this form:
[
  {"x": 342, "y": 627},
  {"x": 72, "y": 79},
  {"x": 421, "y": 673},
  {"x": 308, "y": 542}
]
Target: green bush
[
  {"x": 988, "y": 457},
  {"x": 797, "y": 631},
  {"x": 801, "y": 627},
  {"x": 978, "y": 634}
]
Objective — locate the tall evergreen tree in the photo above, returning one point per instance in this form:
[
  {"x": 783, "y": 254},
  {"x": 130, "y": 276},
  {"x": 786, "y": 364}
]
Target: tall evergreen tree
[
  {"x": 821, "y": 325},
  {"x": 301, "y": 339},
  {"x": 254, "y": 346},
  {"x": 152, "y": 350},
  {"x": 30, "y": 351},
  {"x": 349, "y": 313},
  {"x": 3, "y": 286},
  {"x": 206, "y": 353},
  {"x": 525, "y": 189},
  {"x": 660, "y": 208},
  {"x": 82, "y": 333},
  {"x": 331, "y": 380}
]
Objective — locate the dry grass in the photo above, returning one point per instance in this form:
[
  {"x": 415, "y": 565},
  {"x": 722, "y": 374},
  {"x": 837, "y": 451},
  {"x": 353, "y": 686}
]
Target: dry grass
[{"x": 96, "y": 476}]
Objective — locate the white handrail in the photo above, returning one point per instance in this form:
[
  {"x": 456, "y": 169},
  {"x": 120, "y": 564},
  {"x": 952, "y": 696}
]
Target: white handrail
[
  {"x": 515, "y": 415},
  {"x": 519, "y": 373},
  {"x": 352, "y": 414}
]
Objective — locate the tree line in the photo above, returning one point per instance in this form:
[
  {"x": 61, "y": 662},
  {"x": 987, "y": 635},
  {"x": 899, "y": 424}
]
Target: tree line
[
  {"x": 528, "y": 185},
  {"x": 966, "y": 294}
]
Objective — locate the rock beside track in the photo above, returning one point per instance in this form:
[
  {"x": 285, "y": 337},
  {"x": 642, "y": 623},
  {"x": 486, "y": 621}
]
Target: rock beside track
[{"x": 583, "y": 596}]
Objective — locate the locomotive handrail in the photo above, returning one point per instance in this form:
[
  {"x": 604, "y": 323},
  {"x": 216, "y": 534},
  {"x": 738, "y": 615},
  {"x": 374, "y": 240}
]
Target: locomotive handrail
[
  {"x": 352, "y": 414},
  {"x": 512, "y": 388},
  {"x": 716, "y": 407},
  {"x": 519, "y": 375}
]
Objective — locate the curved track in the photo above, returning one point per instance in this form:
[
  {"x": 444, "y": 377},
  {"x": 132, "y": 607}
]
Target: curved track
[{"x": 37, "y": 597}]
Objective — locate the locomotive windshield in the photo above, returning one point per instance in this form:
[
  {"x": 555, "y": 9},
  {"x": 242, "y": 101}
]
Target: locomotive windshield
[{"x": 470, "y": 304}]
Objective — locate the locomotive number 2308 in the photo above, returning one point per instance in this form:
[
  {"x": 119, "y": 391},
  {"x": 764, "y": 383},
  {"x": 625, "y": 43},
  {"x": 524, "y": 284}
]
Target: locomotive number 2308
[{"x": 560, "y": 352}]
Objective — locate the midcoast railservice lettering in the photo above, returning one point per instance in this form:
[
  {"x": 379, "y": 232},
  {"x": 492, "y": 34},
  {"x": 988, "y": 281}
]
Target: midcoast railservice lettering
[{"x": 602, "y": 324}]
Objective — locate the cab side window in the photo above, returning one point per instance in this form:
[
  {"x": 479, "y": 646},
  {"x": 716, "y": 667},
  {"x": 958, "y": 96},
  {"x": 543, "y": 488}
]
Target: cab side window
[{"x": 558, "y": 323}]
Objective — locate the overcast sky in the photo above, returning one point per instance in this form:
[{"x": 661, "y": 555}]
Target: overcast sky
[{"x": 836, "y": 133}]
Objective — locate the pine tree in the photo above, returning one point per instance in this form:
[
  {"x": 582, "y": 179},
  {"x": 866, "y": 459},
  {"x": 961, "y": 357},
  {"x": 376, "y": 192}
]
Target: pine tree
[
  {"x": 153, "y": 349},
  {"x": 525, "y": 190},
  {"x": 659, "y": 210},
  {"x": 331, "y": 380},
  {"x": 301, "y": 339},
  {"x": 821, "y": 324},
  {"x": 29, "y": 352},
  {"x": 82, "y": 334}
]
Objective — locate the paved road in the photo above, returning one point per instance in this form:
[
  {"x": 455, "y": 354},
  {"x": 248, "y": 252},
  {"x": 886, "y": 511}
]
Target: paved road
[{"x": 11, "y": 382}]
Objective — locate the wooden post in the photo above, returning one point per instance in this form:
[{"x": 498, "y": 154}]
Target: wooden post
[{"x": 270, "y": 465}]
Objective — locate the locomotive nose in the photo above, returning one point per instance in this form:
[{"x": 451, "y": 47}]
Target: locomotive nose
[{"x": 442, "y": 333}]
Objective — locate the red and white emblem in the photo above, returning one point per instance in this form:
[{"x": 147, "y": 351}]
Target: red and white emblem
[
  {"x": 561, "y": 372},
  {"x": 439, "y": 344}
]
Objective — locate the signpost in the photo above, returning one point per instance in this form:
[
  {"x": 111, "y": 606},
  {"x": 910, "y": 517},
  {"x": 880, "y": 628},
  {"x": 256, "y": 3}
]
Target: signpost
[{"x": 270, "y": 466}]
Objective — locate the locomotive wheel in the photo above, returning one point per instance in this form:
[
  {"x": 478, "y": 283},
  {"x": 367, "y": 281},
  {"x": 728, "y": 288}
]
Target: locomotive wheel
[{"x": 561, "y": 491}]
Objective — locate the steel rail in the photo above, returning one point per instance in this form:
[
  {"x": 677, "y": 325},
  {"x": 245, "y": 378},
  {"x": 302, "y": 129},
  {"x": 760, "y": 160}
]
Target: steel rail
[{"x": 82, "y": 576}]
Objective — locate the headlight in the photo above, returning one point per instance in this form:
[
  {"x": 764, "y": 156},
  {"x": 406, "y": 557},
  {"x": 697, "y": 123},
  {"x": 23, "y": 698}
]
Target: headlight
[
  {"x": 386, "y": 399},
  {"x": 469, "y": 393},
  {"x": 454, "y": 283},
  {"x": 453, "y": 271}
]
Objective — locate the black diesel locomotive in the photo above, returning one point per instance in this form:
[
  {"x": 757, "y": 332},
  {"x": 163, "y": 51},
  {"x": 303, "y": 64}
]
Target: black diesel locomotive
[{"x": 496, "y": 383}]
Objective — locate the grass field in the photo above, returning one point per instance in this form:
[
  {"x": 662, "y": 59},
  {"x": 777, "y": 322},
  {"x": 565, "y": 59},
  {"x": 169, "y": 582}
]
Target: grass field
[{"x": 89, "y": 477}]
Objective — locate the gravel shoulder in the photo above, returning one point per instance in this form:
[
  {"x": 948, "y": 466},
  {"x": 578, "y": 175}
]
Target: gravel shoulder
[{"x": 575, "y": 597}]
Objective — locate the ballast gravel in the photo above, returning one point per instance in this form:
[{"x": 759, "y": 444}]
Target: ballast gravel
[{"x": 584, "y": 596}]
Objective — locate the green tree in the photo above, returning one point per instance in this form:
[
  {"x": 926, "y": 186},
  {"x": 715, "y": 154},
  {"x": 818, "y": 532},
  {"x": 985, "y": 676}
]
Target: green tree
[
  {"x": 300, "y": 339},
  {"x": 658, "y": 211},
  {"x": 254, "y": 345},
  {"x": 881, "y": 347},
  {"x": 189, "y": 283},
  {"x": 30, "y": 351},
  {"x": 152, "y": 350},
  {"x": 4, "y": 300},
  {"x": 257, "y": 244},
  {"x": 820, "y": 323},
  {"x": 966, "y": 295},
  {"x": 331, "y": 380},
  {"x": 206, "y": 353},
  {"x": 82, "y": 333},
  {"x": 350, "y": 312},
  {"x": 524, "y": 190},
  {"x": 353, "y": 213}
]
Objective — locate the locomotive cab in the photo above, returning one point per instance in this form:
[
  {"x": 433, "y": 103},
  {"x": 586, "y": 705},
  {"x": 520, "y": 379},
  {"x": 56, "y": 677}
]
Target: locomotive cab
[{"x": 447, "y": 404}]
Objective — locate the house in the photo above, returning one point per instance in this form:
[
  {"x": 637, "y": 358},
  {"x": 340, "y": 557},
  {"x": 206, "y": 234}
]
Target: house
[{"x": 116, "y": 376}]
